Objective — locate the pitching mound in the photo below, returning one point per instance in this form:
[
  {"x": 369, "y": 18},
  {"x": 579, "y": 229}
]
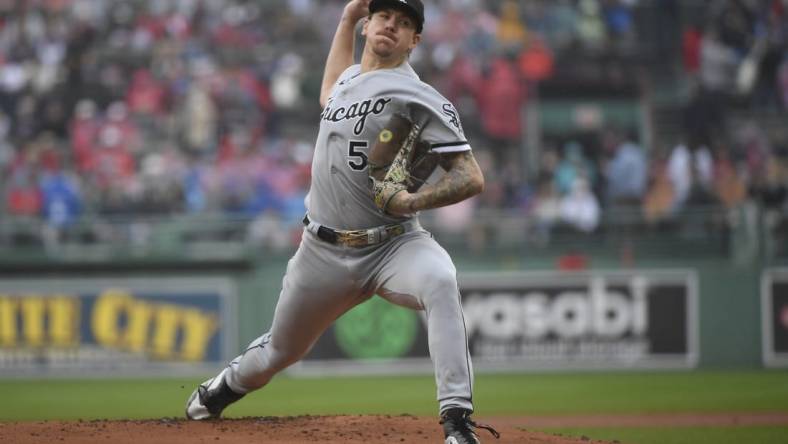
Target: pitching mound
[{"x": 270, "y": 430}]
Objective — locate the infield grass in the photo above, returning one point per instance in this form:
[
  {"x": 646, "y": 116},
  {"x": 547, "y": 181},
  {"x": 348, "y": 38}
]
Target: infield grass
[
  {"x": 683, "y": 435},
  {"x": 495, "y": 395}
]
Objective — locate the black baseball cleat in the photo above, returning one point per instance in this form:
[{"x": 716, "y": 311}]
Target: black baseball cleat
[
  {"x": 210, "y": 398},
  {"x": 458, "y": 428}
]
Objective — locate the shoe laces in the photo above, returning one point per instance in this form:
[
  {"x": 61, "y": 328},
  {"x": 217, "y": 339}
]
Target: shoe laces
[
  {"x": 465, "y": 425},
  {"x": 489, "y": 428}
]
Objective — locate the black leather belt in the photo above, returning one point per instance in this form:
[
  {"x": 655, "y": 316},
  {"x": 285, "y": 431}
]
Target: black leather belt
[
  {"x": 359, "y": 238},
  {"x": 327, "y": 234}
]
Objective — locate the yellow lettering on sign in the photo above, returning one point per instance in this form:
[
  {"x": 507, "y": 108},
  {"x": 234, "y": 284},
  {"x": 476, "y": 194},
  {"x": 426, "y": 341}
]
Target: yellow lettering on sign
[
  {"x": 150, "y": 327},
  {"x": 63, "y": 321},
  {"x": 7, "y": 322},
  {"x": 105, "y": 320},
  {"x": 136, "y": 336},
  {"x": 198, "y": 328},
  {"x": 33, "y": 320},
  {"x": 166, "y": 319}
]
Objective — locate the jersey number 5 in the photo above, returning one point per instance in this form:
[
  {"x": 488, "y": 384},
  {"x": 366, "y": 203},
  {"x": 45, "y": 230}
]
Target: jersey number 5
[{"x": 356, "y": 158}]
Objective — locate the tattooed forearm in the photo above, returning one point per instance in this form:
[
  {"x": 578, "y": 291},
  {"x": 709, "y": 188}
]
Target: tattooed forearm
[{"x": 462, "y": 180}]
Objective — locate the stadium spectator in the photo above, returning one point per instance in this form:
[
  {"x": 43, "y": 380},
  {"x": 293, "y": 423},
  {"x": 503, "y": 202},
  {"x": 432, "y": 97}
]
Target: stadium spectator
[
  {"x": 198, "y": 116},
  {"x": 546, "y": 210},
  {"x": 771, "y": 44},
  {"x": 7, "y": 150},
  {"x": 591, "y": 29},
  {"x": 146, "y": 97},
  {"x": 718, "y": 63},
  {"x": 691, "y": 39},
  {"x": 160, "y": 181},
  {"x": 500, "y": 97},
  {"x": 626, "y": 172},
  {"x": 729, "y": 186},
  {"x": 580, "y": 208},
  {"x": 84, "y": 129},
  {"x": 619, "y": 22},
  {"x": 782, "y": 79},
  {"x": 511, "y": 33},
  {"x": 559, "y": 26},
  {"x": 113, "y": 160},
  {"x": 659, "y": 202},
  {"x": 691, "y": 175},
  {"x": 770, "y": 189},
  {"x": 572, "y": 166},
  {"x": 536, "y": 61},
  {"x": 197, "y": 106},
  {"x": 62, "y": 200},
  {"x": 23, "y": 197}
]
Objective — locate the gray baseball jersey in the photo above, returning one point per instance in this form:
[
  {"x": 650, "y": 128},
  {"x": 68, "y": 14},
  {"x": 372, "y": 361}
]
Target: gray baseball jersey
[
  {"x": 324, "y": 280},
  {"x": 359, "y": 107}
]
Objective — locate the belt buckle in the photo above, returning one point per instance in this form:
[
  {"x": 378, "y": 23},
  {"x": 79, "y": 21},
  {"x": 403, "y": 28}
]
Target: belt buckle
[
  {"x": 353, "y": 238},
  {"x": 358, "y": 242},
  {"x": 372, "y": 236}
]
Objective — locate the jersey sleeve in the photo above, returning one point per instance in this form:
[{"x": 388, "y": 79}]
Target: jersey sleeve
[{"x": 441, "y": 122}]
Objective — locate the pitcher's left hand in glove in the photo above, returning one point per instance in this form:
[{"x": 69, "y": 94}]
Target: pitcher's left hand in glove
[{"x": 391, "y": 161}]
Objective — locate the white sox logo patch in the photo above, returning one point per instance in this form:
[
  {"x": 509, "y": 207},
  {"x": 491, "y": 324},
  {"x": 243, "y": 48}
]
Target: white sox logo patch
[
  {"x": 357, "y": 110},
  {"x": 454, "y": 118}
]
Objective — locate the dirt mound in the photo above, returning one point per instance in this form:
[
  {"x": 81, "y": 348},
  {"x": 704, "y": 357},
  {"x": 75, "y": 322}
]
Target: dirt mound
[{"x": 270, "y": 430}]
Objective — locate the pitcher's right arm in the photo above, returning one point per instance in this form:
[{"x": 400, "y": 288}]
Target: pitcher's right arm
[{"x": 340, "y": 56}]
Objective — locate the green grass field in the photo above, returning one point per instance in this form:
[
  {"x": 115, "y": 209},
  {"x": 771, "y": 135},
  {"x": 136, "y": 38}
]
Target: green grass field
[
  {"x": 496, "y": 395},
  {"x": 685, "y": 435}
]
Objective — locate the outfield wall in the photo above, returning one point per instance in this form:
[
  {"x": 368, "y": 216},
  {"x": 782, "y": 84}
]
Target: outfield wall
[{"x": 188, "y": 318}]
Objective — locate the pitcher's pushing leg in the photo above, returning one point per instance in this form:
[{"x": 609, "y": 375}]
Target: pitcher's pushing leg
[{"x": 316, "y": 290}]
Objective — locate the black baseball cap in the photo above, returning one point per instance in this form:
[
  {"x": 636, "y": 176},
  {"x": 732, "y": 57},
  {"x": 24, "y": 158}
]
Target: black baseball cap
[{"x": 413, "y": 7}]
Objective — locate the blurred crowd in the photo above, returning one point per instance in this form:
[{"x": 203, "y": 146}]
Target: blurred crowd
[
  {"x": 134, "y": 108},
  {"x": 728, "y": 148}
]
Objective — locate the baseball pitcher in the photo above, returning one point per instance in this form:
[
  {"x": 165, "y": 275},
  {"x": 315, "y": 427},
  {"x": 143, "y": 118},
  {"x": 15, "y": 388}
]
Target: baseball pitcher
[{"x": 383, "y": 133}]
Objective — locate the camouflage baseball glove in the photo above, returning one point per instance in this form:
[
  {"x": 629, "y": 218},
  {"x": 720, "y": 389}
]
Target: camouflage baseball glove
[{"x": 399, "y": 161}]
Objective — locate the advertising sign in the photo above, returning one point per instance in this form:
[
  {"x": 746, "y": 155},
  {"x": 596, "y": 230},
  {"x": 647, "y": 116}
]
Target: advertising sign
[
  {"x": 115, "y": 326},
  {"x": 535, "y": 320},
  {"x": 774, "y": 309},
  {"x": 645, "y": 319}
]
